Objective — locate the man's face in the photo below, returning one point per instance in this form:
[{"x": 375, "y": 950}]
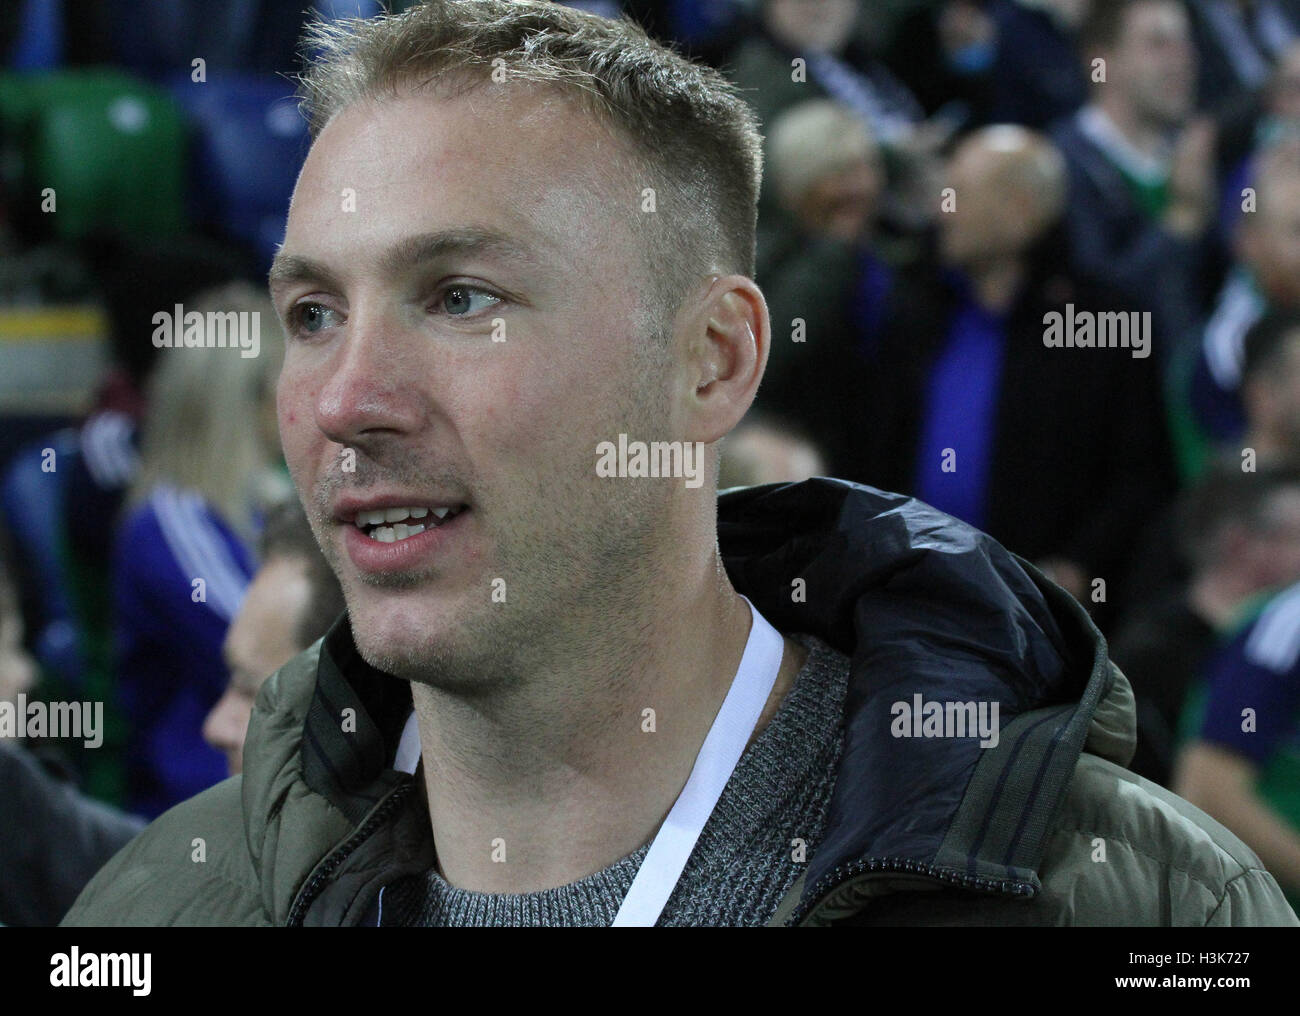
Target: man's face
[
  {"x": 1272, "y": 398},
  {"x": 1271, "y": 238},
  {"x": 261, "y": 639},
  {"x": 471, "y": 376},
  {"x": 1155, "y": 61},
  {"x": 1278, "y": 560},
  {"x": 817, "y": 25},
  {"x": 843, "y": 203},
  {"x": 987, "y": 218}
]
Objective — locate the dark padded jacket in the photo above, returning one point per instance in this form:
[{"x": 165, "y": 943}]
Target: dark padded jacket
[{"x": 1045, "y": 828}]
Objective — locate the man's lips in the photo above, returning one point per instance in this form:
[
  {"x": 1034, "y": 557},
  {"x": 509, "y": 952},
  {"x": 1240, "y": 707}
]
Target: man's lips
[{"x": 406, "y": 545}]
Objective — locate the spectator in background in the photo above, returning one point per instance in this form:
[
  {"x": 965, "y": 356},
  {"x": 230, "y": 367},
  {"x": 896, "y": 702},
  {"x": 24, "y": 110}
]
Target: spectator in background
[
  {"x": 1239, "y": 533},
  {"x": 182, "y": 557},
  {"x": 1241, "y": 764},
  {"x": 1239, "y": 42},
  {"x": 1271, "y": 398},
  {"x": 1142, "y": 189},
  {"x": 1253, "y": 124},
  {"x": 52, "y": 837},
  {"x": 17, "y": 668},
  {"x": 824, "y": 281},
  {"x": 820, "y": 33},
  {"x": 1059, "y": 453},
  {"x": 1038, "y": 77},
  {"x": 1271, "y": 389},
  {"x": 945, "y": 54},
  {"x": 993, "y": 61},
  {"x": 1267, "y": 275},
  {"x": 766, "y": 450},
  {"x": 805, "y": 49},
  {"x": 292, "y": 601}
]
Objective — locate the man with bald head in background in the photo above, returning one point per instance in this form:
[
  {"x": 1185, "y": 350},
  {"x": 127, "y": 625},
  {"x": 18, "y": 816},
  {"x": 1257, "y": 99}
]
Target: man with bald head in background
[{"x": 1056, "y": 451}]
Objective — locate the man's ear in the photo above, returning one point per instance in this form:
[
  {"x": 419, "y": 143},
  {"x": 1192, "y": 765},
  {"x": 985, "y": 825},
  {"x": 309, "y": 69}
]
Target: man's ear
[{"x": 727, "y": 345}]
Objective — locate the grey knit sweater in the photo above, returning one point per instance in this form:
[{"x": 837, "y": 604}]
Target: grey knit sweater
[{"x": 744, "y": 861}]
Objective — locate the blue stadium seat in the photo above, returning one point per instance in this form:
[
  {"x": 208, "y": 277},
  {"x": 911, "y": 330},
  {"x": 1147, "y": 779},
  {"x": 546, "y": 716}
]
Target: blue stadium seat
[
  {"x": 39, "y": 45},
  {"x": 249, "y": 143}
]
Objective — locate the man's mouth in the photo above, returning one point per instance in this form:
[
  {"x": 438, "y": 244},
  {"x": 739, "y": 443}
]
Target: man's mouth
[{"x": 391, "y": 525}]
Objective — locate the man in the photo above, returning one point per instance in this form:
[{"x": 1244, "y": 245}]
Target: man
[
  {"x": 1239, "y": 42},
  {"x": 1270, "y": 390},
  {"x": 64, "y": 837},
  {"x": 1238, "y": 535},
  {"x": 291, "y": 602},
  {"x": 972, "y": 408},
  {"x": 822, "y": 277},
  {"x": 821, "y": 33},
  {"x": 1244, "y": 754},
  {"x": 1267, "y": 278},
  {"x": 536, "y": 652},
  {"x": 1142, "y": 175},
  {"x": 53, "y": 838}
]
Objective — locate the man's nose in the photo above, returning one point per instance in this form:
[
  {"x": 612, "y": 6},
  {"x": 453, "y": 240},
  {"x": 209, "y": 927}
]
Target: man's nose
[{"x": 370, "y": 389}]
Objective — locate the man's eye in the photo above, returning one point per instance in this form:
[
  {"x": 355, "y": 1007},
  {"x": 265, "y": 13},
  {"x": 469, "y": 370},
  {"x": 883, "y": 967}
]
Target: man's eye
[
  {"x": 312, "y": 317},
  {"x": 462, "y": 301}
]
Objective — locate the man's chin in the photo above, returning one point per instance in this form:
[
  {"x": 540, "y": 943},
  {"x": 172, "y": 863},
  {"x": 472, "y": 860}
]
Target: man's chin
[{"x": 401, "y": 640}]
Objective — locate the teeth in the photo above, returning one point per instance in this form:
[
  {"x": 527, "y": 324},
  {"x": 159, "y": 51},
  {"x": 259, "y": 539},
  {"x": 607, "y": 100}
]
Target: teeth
[
  {"x": 391, "y": 534},
  {"x": 384, "y": 518}
]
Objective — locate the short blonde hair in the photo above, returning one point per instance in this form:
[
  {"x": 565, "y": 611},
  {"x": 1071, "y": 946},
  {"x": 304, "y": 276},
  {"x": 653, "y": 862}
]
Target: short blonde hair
[{"x": 691, "y": 134}]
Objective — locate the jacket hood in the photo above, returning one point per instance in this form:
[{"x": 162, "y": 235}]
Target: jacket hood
[{"x": 922, "y": 605}]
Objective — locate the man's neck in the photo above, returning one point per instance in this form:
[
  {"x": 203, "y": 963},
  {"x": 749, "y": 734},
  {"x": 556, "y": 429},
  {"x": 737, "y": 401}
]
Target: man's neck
[
  {"x": 1145, "y": 135},
  {"x": 544, "y": 788},
  {"x": 1216, "y": 597}
]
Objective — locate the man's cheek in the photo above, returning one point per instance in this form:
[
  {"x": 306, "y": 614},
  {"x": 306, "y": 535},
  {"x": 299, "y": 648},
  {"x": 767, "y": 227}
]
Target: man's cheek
[{"x": 293, "y": 419}]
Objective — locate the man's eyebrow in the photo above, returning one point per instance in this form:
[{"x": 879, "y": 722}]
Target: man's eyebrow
[
  {"x": 467, "y": 240},
  {"x": 412, "y": 251},
  {"x": 288, "y": 268}
]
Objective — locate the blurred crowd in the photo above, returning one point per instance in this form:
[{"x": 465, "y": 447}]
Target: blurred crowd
[{"x": 963, "y": 201}]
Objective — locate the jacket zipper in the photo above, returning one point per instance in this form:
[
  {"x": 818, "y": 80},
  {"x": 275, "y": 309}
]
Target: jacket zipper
[
  {"x": 325, "y": 871},
  {"x": 893, "y": 865}
]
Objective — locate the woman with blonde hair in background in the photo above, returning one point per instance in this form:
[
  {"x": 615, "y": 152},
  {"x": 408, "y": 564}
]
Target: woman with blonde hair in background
[{"x": 182, "y": 558}]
